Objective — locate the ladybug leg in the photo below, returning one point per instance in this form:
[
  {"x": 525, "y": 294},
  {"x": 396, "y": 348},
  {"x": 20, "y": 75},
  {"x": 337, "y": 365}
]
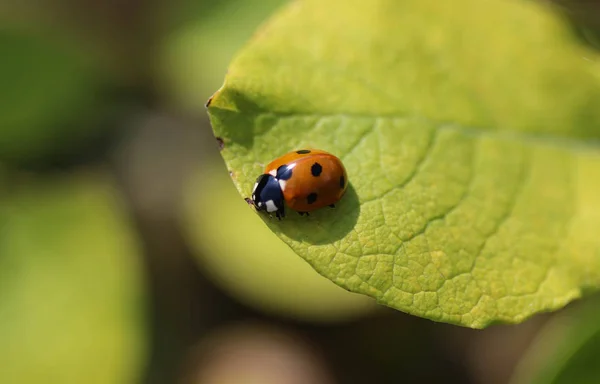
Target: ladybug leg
[
  {"x": 331, "y": 205},
  {"x": 303, "y": 213},
  {"x": 280, "y": 213}
]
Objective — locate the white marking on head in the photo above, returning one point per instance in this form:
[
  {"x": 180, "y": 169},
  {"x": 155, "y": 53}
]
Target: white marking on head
[
  {"x": 273, "y": 172},
  {"x": 282, "y": 184},
  {"x": 255, "y": 185},
  {"x": 271, "y": 207},
  {"x": 259, "y": 204}
]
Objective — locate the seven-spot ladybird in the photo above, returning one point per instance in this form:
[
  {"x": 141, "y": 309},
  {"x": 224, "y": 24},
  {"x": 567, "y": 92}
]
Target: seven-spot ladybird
[{"x": 306, "y": 180}]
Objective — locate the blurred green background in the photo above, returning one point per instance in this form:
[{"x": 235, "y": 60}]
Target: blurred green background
[{"x": 126, "y": 254}]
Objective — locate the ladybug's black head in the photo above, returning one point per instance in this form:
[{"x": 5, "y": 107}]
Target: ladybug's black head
[{"x": 267, "y": 195}]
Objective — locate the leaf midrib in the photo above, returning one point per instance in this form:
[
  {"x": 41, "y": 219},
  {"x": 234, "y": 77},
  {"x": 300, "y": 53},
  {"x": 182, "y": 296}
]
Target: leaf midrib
[{"x": 507, "y": 135}]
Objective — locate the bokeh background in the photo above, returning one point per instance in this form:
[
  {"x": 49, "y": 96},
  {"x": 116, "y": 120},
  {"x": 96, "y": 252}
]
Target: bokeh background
[{"x": 126, "y": 254}]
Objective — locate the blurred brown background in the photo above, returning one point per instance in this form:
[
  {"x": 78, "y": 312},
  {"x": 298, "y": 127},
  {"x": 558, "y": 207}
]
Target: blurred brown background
[{"x": 127, "y": 256}]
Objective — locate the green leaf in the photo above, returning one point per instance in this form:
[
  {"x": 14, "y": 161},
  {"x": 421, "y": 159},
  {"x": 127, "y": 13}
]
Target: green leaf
[
  {"x": 566, "y": 350},
  {"x": 53, "y": 99},
  {"x": 71, "y": 291},
  {"x": 469, "y": 130},
  {"x": 194, "y": 58}
]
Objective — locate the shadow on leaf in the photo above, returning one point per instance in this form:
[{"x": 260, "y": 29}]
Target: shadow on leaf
[{"x": 322, "y": 226}]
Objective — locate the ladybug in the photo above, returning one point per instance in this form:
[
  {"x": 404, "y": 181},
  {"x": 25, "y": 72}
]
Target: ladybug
[{"x": 305, "y": 180}]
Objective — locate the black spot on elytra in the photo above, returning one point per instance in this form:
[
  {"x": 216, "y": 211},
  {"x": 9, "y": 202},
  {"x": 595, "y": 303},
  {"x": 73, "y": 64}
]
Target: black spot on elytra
[
  {"x": 220, "y": 142},
  {"x": 316, "y": 169},
  {"x": 284, "y": 172},
  {"x": 311, "y": 198},
  {"x": 342, "y": 181},
  {"x": 303, "y": 151}
]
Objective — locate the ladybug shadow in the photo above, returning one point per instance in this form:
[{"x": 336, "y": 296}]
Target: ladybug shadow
[{"x": 323, "y": 226}]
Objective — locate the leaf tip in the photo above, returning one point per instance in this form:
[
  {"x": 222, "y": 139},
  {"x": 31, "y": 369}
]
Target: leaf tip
[{"x": 209, "y": 101}]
